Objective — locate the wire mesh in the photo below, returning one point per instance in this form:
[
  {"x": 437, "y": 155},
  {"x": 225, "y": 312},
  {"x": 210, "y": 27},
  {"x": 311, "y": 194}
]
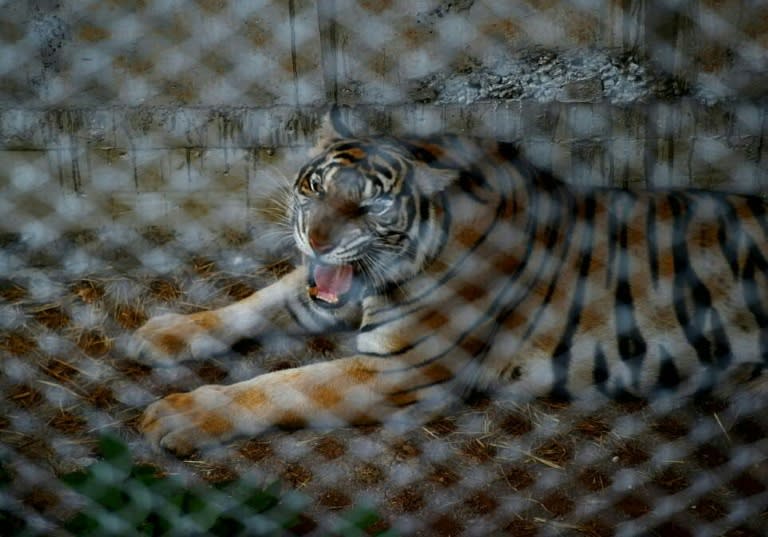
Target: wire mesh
[{"x": 143, "y": 146}]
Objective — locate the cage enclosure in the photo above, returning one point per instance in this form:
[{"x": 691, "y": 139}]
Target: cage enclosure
[{"x": 144, "y": 149}]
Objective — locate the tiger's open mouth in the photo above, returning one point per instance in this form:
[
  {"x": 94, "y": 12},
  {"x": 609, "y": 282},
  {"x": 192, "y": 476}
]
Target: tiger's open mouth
[{"x": 331, "y": 285}]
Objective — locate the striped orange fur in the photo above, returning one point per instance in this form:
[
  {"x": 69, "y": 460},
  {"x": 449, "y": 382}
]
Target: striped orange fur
[{"x": 460, "y": 265}]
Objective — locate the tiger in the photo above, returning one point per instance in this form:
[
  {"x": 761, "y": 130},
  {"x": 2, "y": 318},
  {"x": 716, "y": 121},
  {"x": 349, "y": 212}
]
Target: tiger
[{"x": 459, "y": 265}]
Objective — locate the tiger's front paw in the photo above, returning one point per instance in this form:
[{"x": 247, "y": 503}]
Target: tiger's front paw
[
  {"x": 184, "y": 422},
  {"x": 171, "y": 338}
]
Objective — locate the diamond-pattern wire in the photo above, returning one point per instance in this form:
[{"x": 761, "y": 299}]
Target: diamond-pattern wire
[{"x": 73, "y": 293}]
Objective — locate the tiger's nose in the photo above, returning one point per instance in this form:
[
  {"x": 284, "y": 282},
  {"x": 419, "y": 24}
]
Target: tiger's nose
[{"x": 321, "y": 245}]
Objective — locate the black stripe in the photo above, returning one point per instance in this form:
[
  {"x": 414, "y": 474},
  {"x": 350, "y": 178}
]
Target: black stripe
[
  {"x": 399, "y": 308},
  {"x": 339, "y": 155},
  {"x": 397, "y": 352},
  {"x": 755, "y": 262},
  {"x": 412, "y": 389},
  {"x": 509, "y": 152},
  {"x": 388, "y": 152},
  {"x": 651, "y": 241},
  {"x": 382, "y": 171},
  {"x": 617, "y": 202},
  {"x": 446, "y": 276},
  {"x": 338, "y": 149},
  {"x": 541, "y": 178},
  {"x": 758, "y": 208},
  {"x": 546, "y": 181},
  {"x": 425, "y": 218},
  {"x": 669, "y": 376},
  {"x": 472, "y": 180},
  {"x": 688, "y": 287},
  {"x": 323, "y": 322},
  {"x": 447, "y": 219},
  {"x": 492, "y": 312},
  {"x": 601, "y": 372},
  {"x": 418, "y": 152},
  {"x": 374, "y": 178},
  {"x": 500, "y": 301},
  {"x": 296, "y": 318},
  {"x": 509, "y": 309},
  {"x": 409, "y": 248},
  {"x": 632, "y": 346},
  {"x": 728, "y": 235},
  {"x": 561, "y": 358},
  {"x": 305, "y": 169},
  {"x": 553, "y": 231}
]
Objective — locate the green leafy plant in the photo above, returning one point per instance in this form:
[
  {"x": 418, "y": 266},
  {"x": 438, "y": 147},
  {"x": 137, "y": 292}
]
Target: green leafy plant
[
  {"x": 10, "y": 522},
  {"x": 123, "y": 498}
]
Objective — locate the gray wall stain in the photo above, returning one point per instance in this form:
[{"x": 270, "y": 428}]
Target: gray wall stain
[{"x": 176, "y": 104}]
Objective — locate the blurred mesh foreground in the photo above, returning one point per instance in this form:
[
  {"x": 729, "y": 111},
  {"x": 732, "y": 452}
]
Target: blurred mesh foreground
[{"x": 141, "y": 148}]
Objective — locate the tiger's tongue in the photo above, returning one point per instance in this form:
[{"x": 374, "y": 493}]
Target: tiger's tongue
[{"x": 332, "y": 281}]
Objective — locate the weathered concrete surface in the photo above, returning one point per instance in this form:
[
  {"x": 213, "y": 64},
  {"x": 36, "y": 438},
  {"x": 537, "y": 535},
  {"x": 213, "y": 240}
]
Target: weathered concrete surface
[
  {"x": 165, "y": 165},
  {"x": 154, "y": 112},
  {"x": 159, "y": 52},
  {"x": 306, "y": 52}
]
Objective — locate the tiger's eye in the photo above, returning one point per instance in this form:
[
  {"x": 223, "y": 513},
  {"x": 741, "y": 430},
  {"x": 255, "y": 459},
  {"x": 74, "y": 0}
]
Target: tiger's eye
[
  {"x": 315, "y": 184},
  {"x": 379, "y": 205}
]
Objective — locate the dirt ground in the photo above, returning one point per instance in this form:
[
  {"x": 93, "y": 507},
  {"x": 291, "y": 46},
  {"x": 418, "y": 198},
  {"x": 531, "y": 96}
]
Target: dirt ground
[{"x": 494, "y": 467}]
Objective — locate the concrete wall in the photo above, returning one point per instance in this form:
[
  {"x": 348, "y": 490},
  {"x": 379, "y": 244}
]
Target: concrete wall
[
  {"x": 160, "y": 111},
  {"x": 306, "y": 52}
]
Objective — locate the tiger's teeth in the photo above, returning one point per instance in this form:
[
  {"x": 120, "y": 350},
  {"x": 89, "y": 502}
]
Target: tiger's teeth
[
  {"x": 331, "y": 282},
  {"x": 330, "y": 298}
]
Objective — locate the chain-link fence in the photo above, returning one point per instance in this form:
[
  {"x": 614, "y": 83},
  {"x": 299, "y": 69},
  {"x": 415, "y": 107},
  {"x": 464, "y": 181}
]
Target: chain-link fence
[{"x": 143, "y": 146}]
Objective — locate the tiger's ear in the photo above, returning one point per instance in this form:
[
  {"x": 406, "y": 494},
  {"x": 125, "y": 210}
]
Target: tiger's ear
[
  {"x": 433, "y": 180},
  {"x": 332, "y": 129}
]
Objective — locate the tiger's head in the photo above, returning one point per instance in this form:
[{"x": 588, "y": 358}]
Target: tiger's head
[{"x": 363, "y": 212}]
